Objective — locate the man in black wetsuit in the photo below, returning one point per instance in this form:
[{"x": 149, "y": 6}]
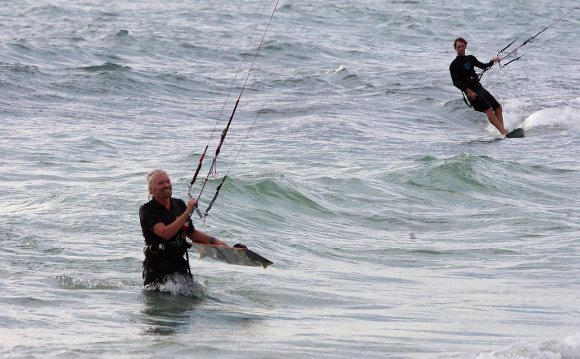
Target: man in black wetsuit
[
  {"x": 464, "y": 78},
  {"x": 165, "y": 222}
]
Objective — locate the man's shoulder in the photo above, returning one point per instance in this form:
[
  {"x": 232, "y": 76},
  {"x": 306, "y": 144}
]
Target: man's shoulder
[
  {"x": 177, "y": 200},
  {"x": 149, "y": 206},
  {"x": 460, "y": 60},
  {"x": 178, "y": 203},
  {"x": 456, "y": 61},
  {"x": 469, "y": 59}
]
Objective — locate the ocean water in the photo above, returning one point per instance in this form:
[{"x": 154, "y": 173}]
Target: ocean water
[{"x": 398, "y": 224}]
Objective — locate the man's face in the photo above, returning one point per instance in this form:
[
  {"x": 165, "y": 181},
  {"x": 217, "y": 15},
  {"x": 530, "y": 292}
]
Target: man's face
[
  {"x": 460, "y": 48},
  {"x": 162, "y": 188}
]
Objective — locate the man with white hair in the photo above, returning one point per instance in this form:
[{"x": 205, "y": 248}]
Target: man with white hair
[{"x": 165, "y": 222}]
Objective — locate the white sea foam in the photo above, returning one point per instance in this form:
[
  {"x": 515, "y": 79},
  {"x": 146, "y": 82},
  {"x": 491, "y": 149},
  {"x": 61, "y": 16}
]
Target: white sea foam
[{"x": 556, "y": 117}]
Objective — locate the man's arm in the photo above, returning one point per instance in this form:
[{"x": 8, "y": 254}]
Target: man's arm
[
  {"x": 483, "y": 66},
  {"x": 168, "y": 231},
  {"x": 200, "y": 237},
  {"x": 457, "y": 77},
  {"x": 460, "y": 83}
]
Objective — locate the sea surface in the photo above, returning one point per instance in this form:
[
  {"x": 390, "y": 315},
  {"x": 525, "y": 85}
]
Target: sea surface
[{"x": 399, "y": 223}]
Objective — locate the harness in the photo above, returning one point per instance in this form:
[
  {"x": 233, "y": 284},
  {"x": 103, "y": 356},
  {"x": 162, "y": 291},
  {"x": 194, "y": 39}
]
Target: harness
[
  {"x": 471, "y": 80},
  {"x": 167, "y": 254}
]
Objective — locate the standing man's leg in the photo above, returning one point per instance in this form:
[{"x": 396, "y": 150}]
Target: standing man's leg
[
  {"x": 494, "y": 112},
  {"x": 494, "y": 120},
  {"x": 499, "y": 114}
]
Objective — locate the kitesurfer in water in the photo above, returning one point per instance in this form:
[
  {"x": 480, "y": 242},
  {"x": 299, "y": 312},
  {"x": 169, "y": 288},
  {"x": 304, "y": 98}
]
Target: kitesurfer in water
[
  {"x": 165, "y": 222},
  {"x": 464, "y": 78}
]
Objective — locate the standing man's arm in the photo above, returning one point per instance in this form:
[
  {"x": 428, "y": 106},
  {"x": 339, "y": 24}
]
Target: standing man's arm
[
  {"x": 458, "y": 78},
  {"x": 168, "y": 231},
  {"x": 486, "y": 66}
]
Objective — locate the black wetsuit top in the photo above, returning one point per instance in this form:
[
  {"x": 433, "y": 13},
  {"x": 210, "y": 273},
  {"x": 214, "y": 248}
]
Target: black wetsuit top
[
  {"x": 168, "y": 260},
  {"x": 463, "y": 72}
]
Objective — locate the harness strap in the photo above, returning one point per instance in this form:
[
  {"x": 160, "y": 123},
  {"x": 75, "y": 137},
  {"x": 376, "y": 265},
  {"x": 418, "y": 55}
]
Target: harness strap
[
  {"x": 465, "y": 100},
  {"x": 187, "y": 259}
]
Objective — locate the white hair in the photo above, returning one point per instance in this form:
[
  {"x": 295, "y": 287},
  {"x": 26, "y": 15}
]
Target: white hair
[{"x": 151, "y": 177}]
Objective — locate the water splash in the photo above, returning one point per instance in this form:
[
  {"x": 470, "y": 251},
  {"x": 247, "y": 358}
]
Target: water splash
[
  {"x": 179, "y": 284},
  {"x": 68, "y": 282},
  {"x": 554, "y": 117},
  {"x": 568, "y": 348}
]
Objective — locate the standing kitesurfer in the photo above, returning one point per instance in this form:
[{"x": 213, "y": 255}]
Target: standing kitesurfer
[
  {"x": 464, "y": 78},
  {"x": 165, "y": 222}
]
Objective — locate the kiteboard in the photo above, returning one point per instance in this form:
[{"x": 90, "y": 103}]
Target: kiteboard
[
  {"x": 238, "y": 254},
  {"x": 517, "y": 133}
]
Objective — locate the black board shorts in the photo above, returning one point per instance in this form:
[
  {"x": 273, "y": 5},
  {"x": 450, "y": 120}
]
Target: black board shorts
[
  {"x": 483, "y": 101},
  {"x": 156, "y": 271}
]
